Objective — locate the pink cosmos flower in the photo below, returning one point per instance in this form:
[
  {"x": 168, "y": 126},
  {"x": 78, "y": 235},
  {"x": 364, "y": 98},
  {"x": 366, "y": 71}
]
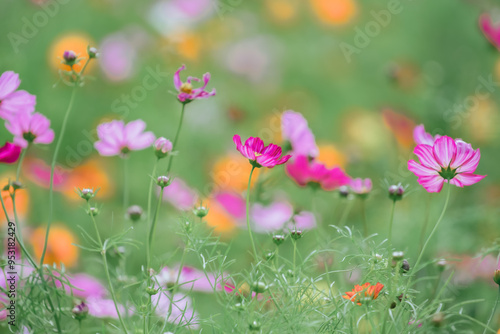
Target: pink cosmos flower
[
  {"x": 491, "y": 32},
  {"x": 30, "y": 128},
  {"x": 83, "y": 286},
  {"x": 116, "y": 138},
  {"x": 9, "y": 153},
  {"x": 103, "y": 308},
  {"x": 259, "y": 155},
  {"x": 190, "y": 279},
  {"x": 445, "y": 161},
  {"x": 182, "y": 311},
  {"x": 360, "y": 186},
  {"x": 279, "y": 216},
  {"x": 13, "y": 101},
  {"x": 186, "y": 91},
  {"x": 306, "y": 172},
  {"x": 180, "y": 195},
  {"x": 294, "y": 128},
  {"x": 422, "y": 137}
]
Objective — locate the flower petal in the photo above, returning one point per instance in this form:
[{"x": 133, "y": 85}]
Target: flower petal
[
  {"x": 445, "y": 151},
  {"x": 9, "y": 82},
  {"x": 432, "y": 184},
  {"x": 468, "y": 179},
  {"x": 426, "y": 157},
  {"x": 420, "y": 170},
  {"x": 177, "y": 79}
]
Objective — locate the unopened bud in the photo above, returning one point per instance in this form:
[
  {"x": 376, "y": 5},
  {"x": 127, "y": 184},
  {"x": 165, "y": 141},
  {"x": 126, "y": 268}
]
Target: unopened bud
[
  {"x": 278, "y": 239},
  {"x": 296, "y": 234},
  {"x": 69, "y": 57},
  {"x": 80, "y": 311},
  {"x": 269, "y": 256},
  {"x": 17, "y": 185},
  {"x": 93, "y": 211},
  {"x": 254, "y": 326},
  {"x": 396, "y": 192},
  {"x": 151, "y": 291},
  {"x": 344, "y": 191},
  {"x": 405, "y": 266},
  {"x": 441, "y": 264},
  {"x": 134, "y": 213},
  {"x": 201, "y": 211},
  {"x": 87, "y": 193},
  {"x": 163, "y": 181},
  {"x": 398, "y": 256},
  {"x": 437, "y": 319},
  {"x": 162, "y": 147},
  {"x": 92, "y": 52},
  {"x": 259, "y": 287}
]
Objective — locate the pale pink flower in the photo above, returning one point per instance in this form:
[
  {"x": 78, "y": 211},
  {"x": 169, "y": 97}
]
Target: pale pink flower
[
  {"x": 445, "y": 161},
  {"x": 163, "y": 145},
  {"x": 103, "y": 307},
  {"x": 260, "y": 156},
  {"x": 83, "y": 286},
  {"x": 190, "y": 279},
  {"x": 182, "y": 311},
  {"x": 9, "y": 153},
  {"x": 118, "y": 138},
  {"x": 187, "y": 92},
  {"x": 294, "y": 128},
  {"x": 361, "y": 186},
  {"x": 13, "y": 101},
  {"x": 306, "y": 172},
  {"x": 422, "y": 137},
  {"x": 279, "y": 216},
  {"x": 180, "y": 195},
  {"x": 490, "y": 31},
  {"x": 30, "y": 128}
]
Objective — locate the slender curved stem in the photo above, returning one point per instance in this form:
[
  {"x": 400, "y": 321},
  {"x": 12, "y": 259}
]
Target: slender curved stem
[
  {"x": 20, "y": 162},
  {"x": 492, "y": 311},
  {"x": 52, "y": 168},
  {"x": 363, "y": 213},
  {"x": 152, "y": 230},
  {"x": 106, "y": 269},
  {"x": 125, "y": 182},
  {"x": 174, "y": 145},
  {"x": 390, "y": 226},
  {"x": 248, "y": 215}
]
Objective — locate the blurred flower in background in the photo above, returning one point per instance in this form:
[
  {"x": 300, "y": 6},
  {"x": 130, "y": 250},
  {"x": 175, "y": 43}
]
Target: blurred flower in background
[
  {"x": 13, "y": 101},
  {"x": 22, "y": 200},
  {"x": 490, "y": 30},
  {"x": 334, "y": 12},
  {"x": 230, "y": 172},
  {"x": 60, "y": 248},
  {"x": 180, "y": 195},
  {"x": 400, "y": 125},
  {"x": 295, "y": 130},
  {"x": 279, "y": 216},
  {"x": 330, "y": 156},
  {"x": 227, "y": 211},
  {"x": 9, "y": 153},
  {"x": 74, "y": 41}
]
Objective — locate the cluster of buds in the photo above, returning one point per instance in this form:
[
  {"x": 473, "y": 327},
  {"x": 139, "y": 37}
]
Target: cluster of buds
[
  {"x": 296, "y": 234},
  {"x": 344, "y": 191},
  {"x": 396, "y": 192},
  {"x": 12, "y": 186},
  {"x": 80, "y": 311},
  {"x": 200, "y": 211},
  {"x": 134, "y": 213},
  {"x": 162, "y": 147},
  {"x": 163, "y": 181},
  {"x": 93, "y": 211},
  {"x": 278, "y": 239},
  {"x": 87, "y": 193}
]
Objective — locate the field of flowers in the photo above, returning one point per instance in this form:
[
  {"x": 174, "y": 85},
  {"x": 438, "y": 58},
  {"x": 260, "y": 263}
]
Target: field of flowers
[{"x": 230, "y": 166}]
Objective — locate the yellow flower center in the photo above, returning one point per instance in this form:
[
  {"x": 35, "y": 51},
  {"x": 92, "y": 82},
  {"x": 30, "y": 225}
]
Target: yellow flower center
[
  {"x": 186, "y": 88},
  {"x": 257, "y": 154}
]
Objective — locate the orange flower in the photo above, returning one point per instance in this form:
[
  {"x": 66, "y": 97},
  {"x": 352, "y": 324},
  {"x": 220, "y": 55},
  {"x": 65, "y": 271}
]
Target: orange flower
[
  {"x": 330, "y": 156},
  {"x": 219, "y": 219},
  {"x": 60, "y": 248},
  {"x": 401, "y": 126},
  {"x": 231, "y": 173},
  {"x": 76, "y": 42},
  {"x": 363, "y": 293},
  {"x": 22, "y": 200},
  {"x": 334, "y": 12},
  {"x": 91, "y": 174}
]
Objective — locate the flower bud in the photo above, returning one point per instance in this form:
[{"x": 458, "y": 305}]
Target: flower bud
[
  {"x": 398, "y": 256},
  {"x": 496, "y": 276},
  {"x": 269, "y": 256},
  {"x": 201, "y": 211},
  {"x": 87, "y": 193},
  {"x": 163, "y": 181},
  {"x": 151, "y": 291},
  {"x": 405, "y": 266},
  {"x": 80, "y": 311},
  {"x": 93, "y": 211},
  {"x": 437, "y": 319},
  {"x": 134, "y": 213},
  {"x": 441, "y": 264},
  {"x": 344, "y": 191},
  {"x": 69, "y": 57},
  {"x": 162, "y": 147},
  {"x": 254, "y": 326},
  {"x": 296, "y": 234},
  {"x": 92, "y": 52},
  {"x": 16, "y": 185},
  {"x": 259, "y": 287},
  {"x": 278, "y": 239},
  {"x": 396, "y": 192}
]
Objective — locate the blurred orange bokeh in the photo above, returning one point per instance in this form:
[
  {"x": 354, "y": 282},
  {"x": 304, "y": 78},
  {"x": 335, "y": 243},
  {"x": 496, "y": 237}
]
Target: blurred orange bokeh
[
  {"x": 59, "y": 246},
  {"x": 330, "y": 156},
  {"x": 334, "y": 12},
  {"x": 219, "y": 219},
  {"x": 22, "y": 200},
  {"x": 231, "y": 173},
  {"x": 76, "y": 42},
  {"x": 282, "y": 10},
  {"x": 91, "y": 174}
]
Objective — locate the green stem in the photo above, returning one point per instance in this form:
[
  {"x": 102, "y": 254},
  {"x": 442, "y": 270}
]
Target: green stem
[
  {"x": 363, "y": 213},
  {"x": 294, "y": 255},
  {"x": 152, "y": 230},
  {"x": 52, "y": 168},
  {"x": 426, "y": 221},
  {"x": 390, "y": 226},
  {"x": 248, "y": 215},
  {"x": 347, "y": 209},
  {"x": 176, "y": 285},
  {"x": 106, "y": 269},
  {"x": 125, "y": 183},
  {"x": 492, "y": 311},
  {"x": 20, "y": 162},
  {"x": 174, "y": 145}
]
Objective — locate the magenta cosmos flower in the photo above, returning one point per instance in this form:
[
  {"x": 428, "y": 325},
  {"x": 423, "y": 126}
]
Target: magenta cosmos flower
[
  {"x": 306, "y": 172},
  {"x": 294, "y": 128},
  {"x": 448, "y": 160},
  {"x": 491, "y": 32},
  {"x": 361, "y": 186},
  {"x": 260, "y": 156},
  {"x": 13, "y": 101},
  {"x": 118, "y": 138},
  {"x": 422, "y": 137},
  {"x": 30, "y": 128},
  {"x": 9, "y": 153},
  {"x": 187, "y": 92}
]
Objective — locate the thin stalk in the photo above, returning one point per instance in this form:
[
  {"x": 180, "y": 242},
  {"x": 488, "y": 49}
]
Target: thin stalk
[
  {"x": 148, "y": 255},
  {"x": 347, "y": 209},
  {"x": 53, "y": 166},
  {"x": 363, "y": 213},
  {"x": 390, "y": 226},
  {"x": 153, "y": 227},
  {"x": 294, "y": 255},
  {"x": 174, "y": 145},
  {"x": 106, "y": 269},
  {"x": 125, "y": 182},
  {"x": 492, "y": 311},
  {"x": 20, "y": 162},
  {"x": 248, "y": 215}
]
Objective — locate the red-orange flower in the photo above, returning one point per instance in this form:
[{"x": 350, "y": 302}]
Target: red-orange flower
[{"x": 363, "y": 293}]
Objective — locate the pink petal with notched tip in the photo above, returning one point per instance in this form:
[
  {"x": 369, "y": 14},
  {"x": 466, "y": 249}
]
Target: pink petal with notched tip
[
  {"x": 444, "y": 150},
  {"x": 422, "y": 137},
  {"x": 468, "y": 179},
  {"x": 9, "y": 82},
  {"x": 177, "y": 78},
  {"x": 426, "y": 157},
  {"x": 420, "y": 170}
]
